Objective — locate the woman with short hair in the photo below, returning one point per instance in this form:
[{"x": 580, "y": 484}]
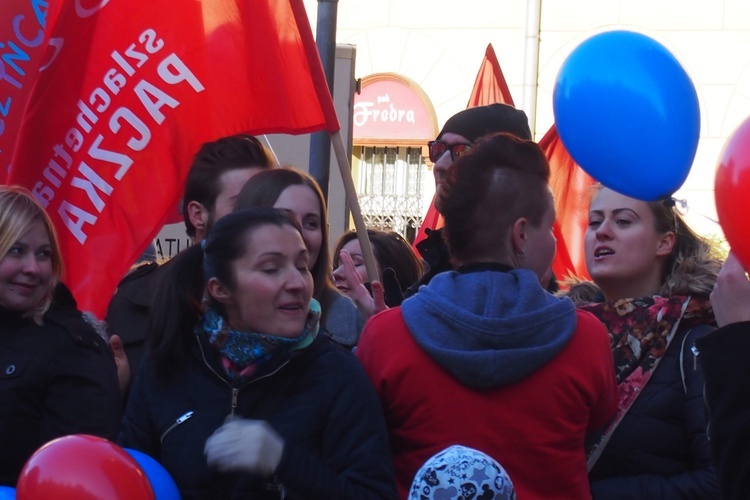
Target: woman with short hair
[{"x": 483, "y": 356}]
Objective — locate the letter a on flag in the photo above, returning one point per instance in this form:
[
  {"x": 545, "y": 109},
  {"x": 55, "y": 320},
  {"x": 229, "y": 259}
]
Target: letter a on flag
[{"x": 133, "y": 90}]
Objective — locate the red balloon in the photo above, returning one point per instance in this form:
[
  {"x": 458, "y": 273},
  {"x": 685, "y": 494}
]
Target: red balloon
[
  {"x": 82, "y": 467},
  {"x": 732, "y": 192}
]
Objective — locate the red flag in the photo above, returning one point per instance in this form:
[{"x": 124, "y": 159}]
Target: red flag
[
  {"x": 490, "y": 86},
  {"x": 570, "y": 184},
  {"x": 24, "y": 35},
  {"x": 112, "y": 125}
]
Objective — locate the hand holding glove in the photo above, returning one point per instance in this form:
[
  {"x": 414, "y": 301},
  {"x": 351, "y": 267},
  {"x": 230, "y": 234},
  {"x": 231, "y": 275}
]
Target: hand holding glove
[{"x": 245, "y": 445}]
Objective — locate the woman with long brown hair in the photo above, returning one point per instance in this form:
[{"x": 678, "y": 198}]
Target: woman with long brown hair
[{"x": 652, "y": 276}]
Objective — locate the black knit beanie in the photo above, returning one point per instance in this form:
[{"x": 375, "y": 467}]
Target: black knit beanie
[{"x": 473, "y": 123}]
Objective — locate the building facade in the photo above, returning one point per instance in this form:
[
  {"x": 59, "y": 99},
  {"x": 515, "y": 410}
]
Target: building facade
[{"x": 435, "y": 47}]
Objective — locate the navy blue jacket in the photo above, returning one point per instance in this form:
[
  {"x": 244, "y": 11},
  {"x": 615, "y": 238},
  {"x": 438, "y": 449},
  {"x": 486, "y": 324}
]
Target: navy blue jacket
[
  {"x": 660, "y": 449},
  {"x": 320, "y": 402}
]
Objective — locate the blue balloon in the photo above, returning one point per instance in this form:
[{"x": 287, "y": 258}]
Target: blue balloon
[
  {"x": 7, "y": 493},
  {"x": 161, "y": 481},
  {"x": 628, "y": 114}
]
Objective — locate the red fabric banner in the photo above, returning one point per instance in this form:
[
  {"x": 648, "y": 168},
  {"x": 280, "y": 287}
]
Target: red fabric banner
[
  {"x": 24, "y": 49},
  {"x": 490, "y": 86},
  {"x": 570, "y": 185},
  {"x": 568, "y": 181},
  {"x": 112, "y": 124}
]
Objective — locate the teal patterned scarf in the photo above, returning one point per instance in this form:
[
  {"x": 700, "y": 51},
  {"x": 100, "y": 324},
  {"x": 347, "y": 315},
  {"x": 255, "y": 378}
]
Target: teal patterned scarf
[{"x": 249, "y": 355}]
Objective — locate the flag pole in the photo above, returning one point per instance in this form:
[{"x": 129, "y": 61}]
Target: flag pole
[
  {"x": 351, "y": 198},
  {"x": 267, "y": 143}
]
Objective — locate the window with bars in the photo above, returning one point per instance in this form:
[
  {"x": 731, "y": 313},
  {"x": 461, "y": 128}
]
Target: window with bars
[{"x": 393, "y": 186}]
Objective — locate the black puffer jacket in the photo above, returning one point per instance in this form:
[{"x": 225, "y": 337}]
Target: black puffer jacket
[
  {"x": 320, "y": 402},
  {"x": 660, "y": 449},
  {"x": 56, "y": 379},
  {"x": 437, "y": 257}
]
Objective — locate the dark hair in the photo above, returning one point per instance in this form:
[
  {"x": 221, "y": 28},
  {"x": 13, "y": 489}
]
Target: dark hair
[
  {"x": 263, "y": 190},
  {"x": 212, "y": 161},
  {"x": 178, "y": 303},
  {"x": 501, "y": 179},
  {"x": 391, "y": 251}
]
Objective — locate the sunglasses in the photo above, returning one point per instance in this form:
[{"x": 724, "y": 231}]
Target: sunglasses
[{"x": 438, "y": 148}]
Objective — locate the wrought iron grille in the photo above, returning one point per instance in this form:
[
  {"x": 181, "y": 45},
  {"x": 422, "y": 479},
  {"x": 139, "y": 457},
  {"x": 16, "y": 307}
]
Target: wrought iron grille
[{"x": 391, "y": 189}]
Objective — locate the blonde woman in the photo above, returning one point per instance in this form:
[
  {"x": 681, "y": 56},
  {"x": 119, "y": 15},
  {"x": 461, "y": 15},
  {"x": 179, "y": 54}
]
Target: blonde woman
[
  {"x": 652, "y": 278},
  {"x": 57, "y": 375}
]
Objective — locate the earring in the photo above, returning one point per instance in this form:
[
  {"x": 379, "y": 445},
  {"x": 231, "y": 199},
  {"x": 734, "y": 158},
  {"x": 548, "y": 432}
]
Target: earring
[{"x": 520, "y": 253}]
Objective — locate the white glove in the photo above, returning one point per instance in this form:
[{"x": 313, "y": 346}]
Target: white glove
[{"x": 245, "y": 445}]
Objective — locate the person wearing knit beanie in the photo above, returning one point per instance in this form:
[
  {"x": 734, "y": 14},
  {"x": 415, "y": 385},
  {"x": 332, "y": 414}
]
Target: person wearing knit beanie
[
  {"x": 473, "y": 123},
  {"x": 457, "y": 136},
  {"x": 467, "y": 126}
]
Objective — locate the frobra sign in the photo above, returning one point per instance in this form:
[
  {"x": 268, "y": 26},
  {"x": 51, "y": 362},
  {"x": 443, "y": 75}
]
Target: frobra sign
[{"x": 392, "y": 109}]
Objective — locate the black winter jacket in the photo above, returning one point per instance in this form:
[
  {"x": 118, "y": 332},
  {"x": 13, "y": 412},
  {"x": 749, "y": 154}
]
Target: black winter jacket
[
  {"x": 435, "y": 253},
  {"x": 660, "y": 449},
  {"x": 127, "y": 314},
  {"x": 320, "y": 402},
  {"x": 723, "y": 358},
  {"x": 56, "y": 379}
]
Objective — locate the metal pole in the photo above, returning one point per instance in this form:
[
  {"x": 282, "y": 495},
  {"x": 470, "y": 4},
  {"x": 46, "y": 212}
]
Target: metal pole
[
  {"x": 342, "y": 158},
  {"x": 325, "y": 38},
  {"x": 531, "y": 58}
]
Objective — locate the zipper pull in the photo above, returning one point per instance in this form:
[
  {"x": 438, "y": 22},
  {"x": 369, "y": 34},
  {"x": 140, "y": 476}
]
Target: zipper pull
[
  {"x": 235, "y": 392},
  {"x": 184, "y": 417},
  {"x": 696, "y": 352},
  {"x": 177, "y": 422}
]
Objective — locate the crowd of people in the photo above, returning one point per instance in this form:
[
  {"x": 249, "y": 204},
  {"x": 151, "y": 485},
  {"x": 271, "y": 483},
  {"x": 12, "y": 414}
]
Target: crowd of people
[{"x": 258, "y": 364}]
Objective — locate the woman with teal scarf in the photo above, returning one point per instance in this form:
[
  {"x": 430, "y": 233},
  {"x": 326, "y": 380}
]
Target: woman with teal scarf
[{"x": 240, "y": 397}]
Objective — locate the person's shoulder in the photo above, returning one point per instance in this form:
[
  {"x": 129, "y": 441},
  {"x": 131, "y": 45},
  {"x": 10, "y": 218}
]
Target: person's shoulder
[
  {"x": 141, "y": 280},
  {"x": 391, "y": 315},
  {"x": 325, "y": 347},
  {"x": 734, "y": 336},
  {"x": 138, "y": 286},
  {"x": 383, "y": 329},
  {"x": 587, "y": 322},
  {"x": 695, "y": 332},
  {"x": 326, "y": 361},
  {"x": 67, "y": 325},
  {"x": 343, "y": 320},
  {"x": 339, "y": 304},
  {"x": 590, "y": 332},
  {"x": 144, "y": 271}
]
